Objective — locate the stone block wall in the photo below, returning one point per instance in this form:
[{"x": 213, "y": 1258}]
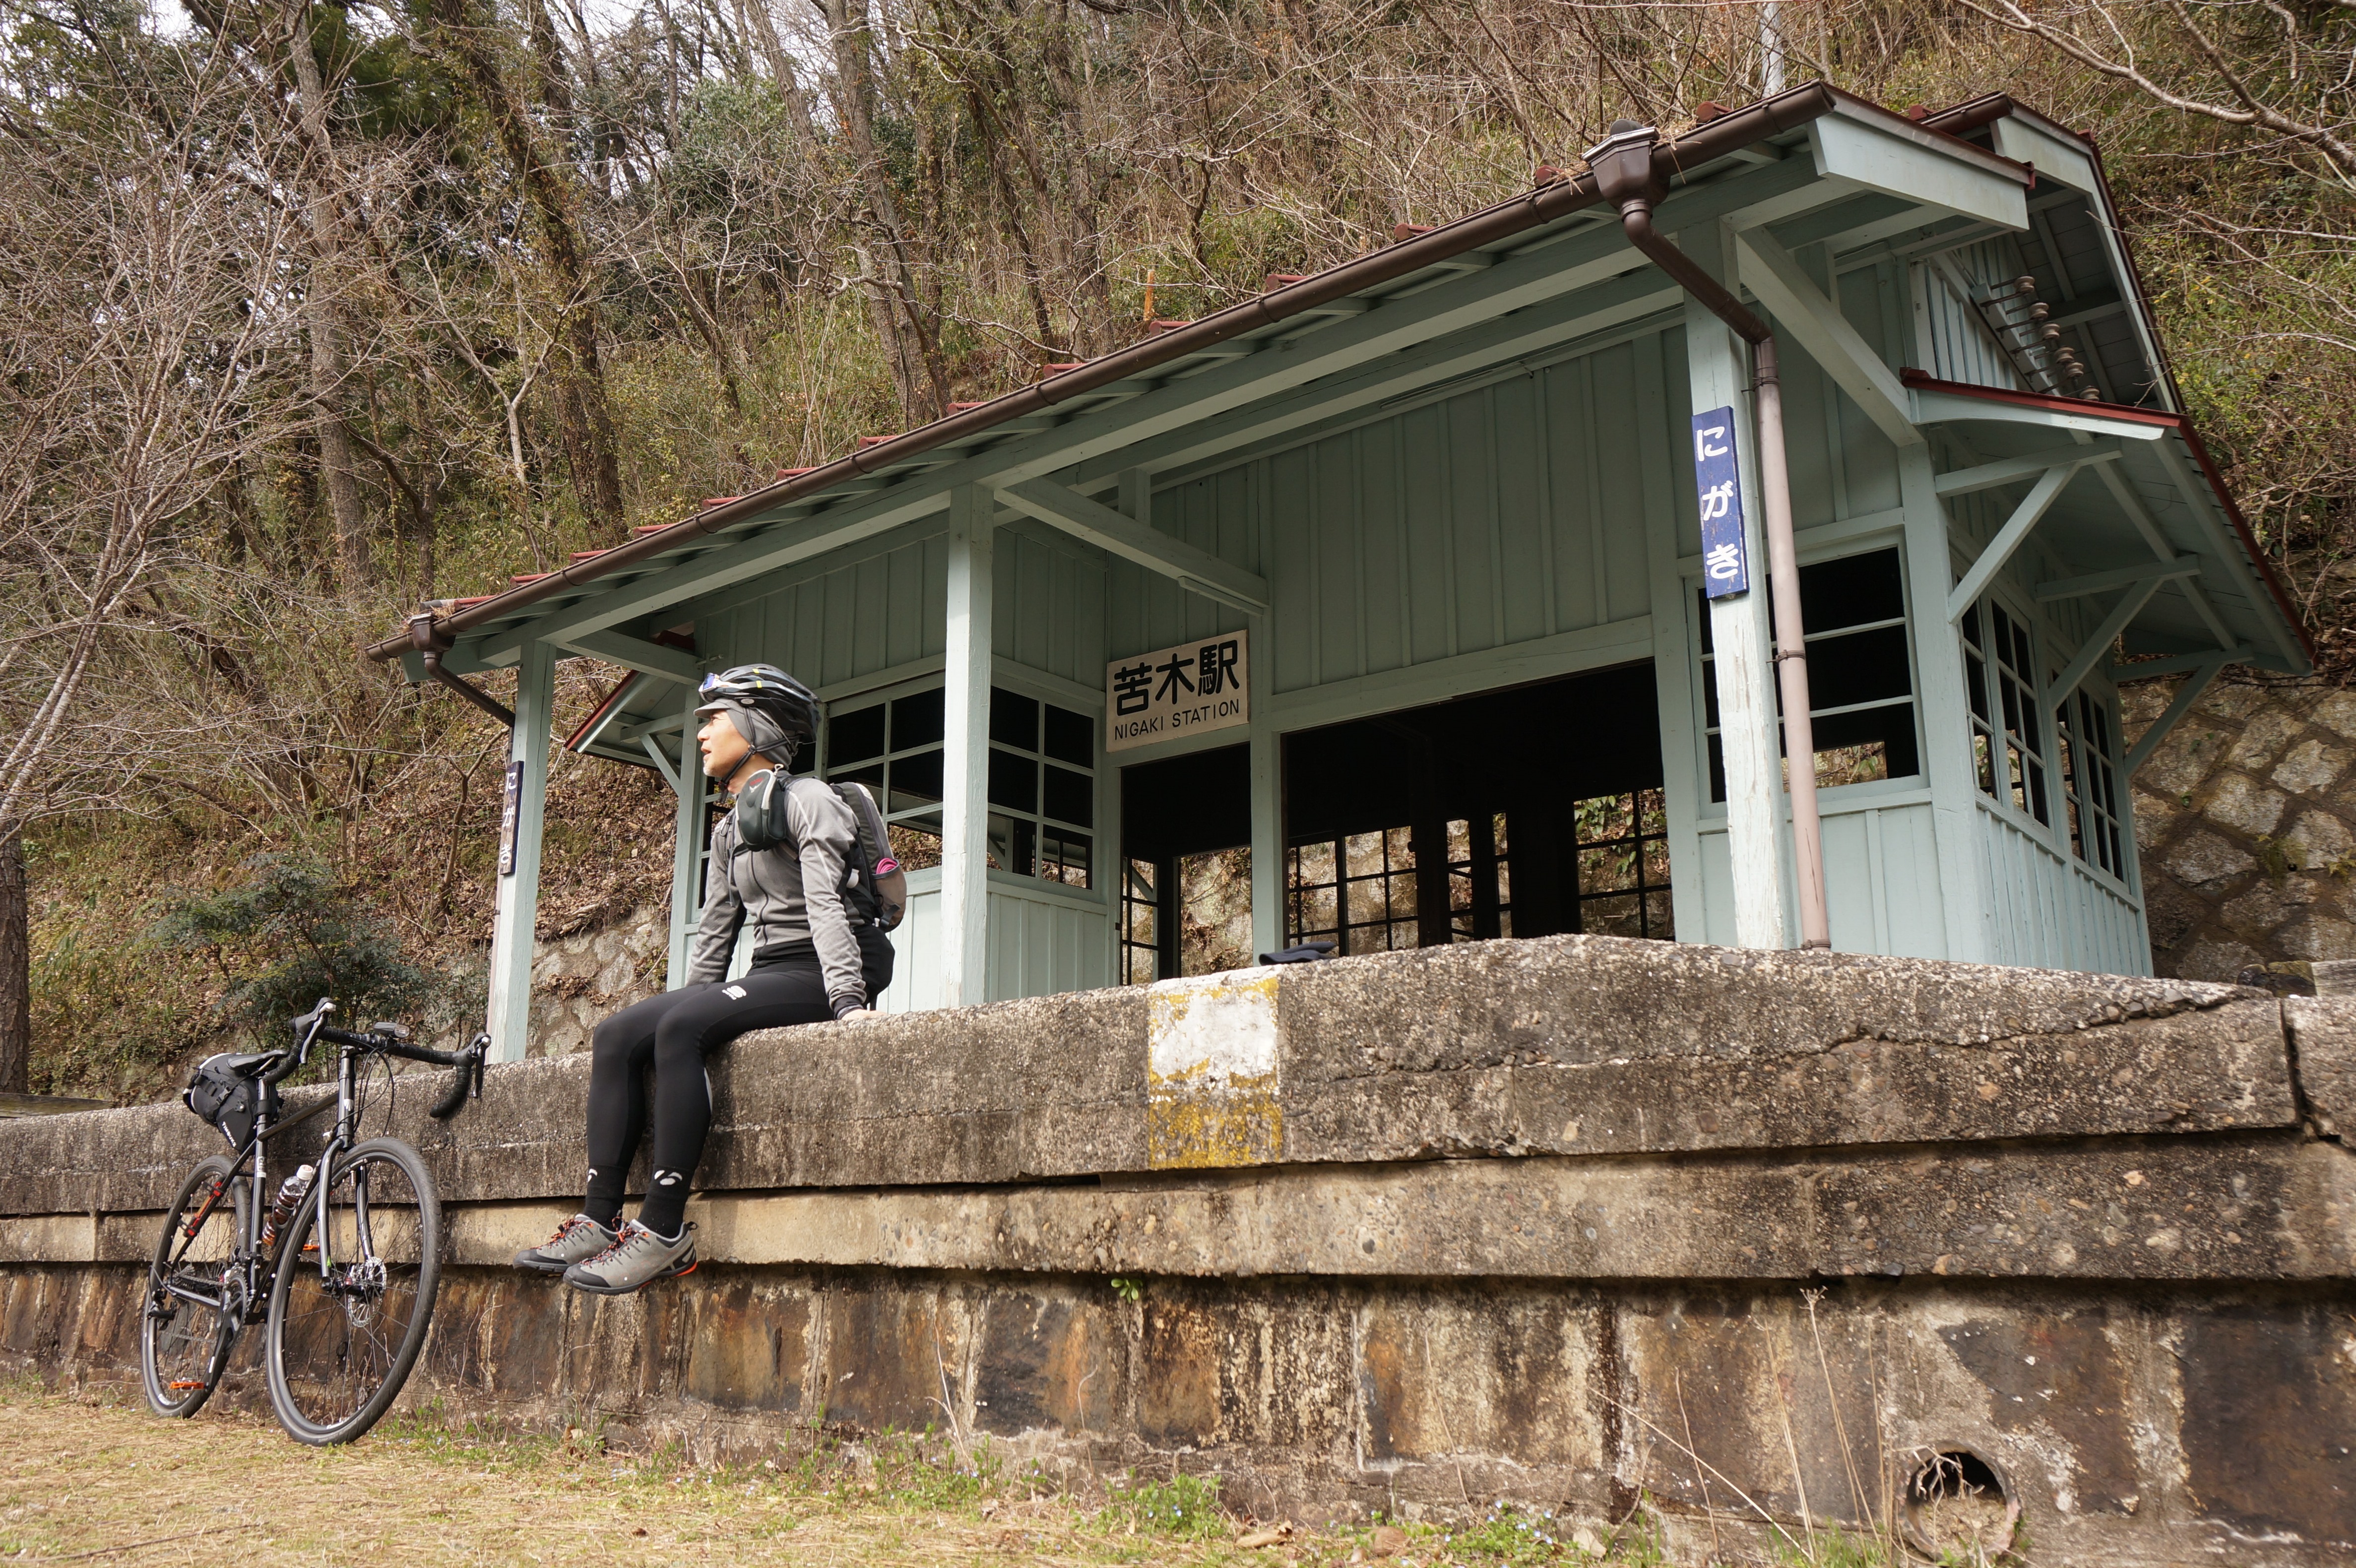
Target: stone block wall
[
  {"x": 578, "y": 980},
  {"x": 2246, "y": 820},
  {"x": 1557, "y": 1222}
]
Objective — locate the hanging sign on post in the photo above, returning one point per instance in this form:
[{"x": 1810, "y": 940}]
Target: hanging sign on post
[
  {"x": 1717, "y": 480},
  {"x": 509, "y": 813}
]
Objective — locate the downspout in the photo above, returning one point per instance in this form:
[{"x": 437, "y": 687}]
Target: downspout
[
  {"x": 431, "y": 645},
  {"x": 1626, "y": 176}
]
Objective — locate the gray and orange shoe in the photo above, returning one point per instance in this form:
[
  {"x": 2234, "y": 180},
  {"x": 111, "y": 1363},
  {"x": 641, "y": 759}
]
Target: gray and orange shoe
[
  {"x": 577, "y": 1239},
  {"x": 634, "y": 1261}
]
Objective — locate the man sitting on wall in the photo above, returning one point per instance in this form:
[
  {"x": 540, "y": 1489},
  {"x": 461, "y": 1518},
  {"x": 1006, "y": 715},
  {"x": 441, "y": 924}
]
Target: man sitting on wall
[{"x": 813, "y": 960}]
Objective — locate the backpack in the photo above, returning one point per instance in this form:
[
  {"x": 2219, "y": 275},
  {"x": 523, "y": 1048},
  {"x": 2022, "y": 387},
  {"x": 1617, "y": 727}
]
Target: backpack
[{"x": 877, "y": 889}]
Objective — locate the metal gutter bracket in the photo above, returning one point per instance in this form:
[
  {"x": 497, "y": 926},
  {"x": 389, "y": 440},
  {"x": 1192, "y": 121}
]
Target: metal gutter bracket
[
  {"x": 431, "y": 643},
  {"x": 1632, "y": 171}
]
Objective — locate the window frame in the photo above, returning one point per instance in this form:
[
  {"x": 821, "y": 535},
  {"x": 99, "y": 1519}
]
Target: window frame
[
  {"x": 1709, "y": 806},
  {"x": 2111, "y": 817},
  {"x": 1014, "y": 682},
  {"x": 2049, "y": 827}
]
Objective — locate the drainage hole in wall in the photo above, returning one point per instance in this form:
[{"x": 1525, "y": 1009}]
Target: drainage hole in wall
[{"x": 1959, "y": 1508}]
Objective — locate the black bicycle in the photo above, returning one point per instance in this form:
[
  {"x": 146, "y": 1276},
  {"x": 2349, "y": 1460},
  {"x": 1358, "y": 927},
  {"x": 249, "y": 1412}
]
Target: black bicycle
[{"x": 342, "y": 1268}]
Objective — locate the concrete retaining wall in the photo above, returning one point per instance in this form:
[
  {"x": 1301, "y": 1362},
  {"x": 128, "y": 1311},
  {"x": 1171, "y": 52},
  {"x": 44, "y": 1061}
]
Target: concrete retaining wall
[{"x": 1574, "y": 1221}]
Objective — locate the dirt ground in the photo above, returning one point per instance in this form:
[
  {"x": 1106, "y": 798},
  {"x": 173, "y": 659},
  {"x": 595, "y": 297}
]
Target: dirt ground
[{"x": 94, "y": 1479}]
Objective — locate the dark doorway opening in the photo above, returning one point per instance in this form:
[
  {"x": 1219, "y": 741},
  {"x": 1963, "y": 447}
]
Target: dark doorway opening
[
  {"x": 1186, "y": 886},
  {"x": 1516, "y": 813}
]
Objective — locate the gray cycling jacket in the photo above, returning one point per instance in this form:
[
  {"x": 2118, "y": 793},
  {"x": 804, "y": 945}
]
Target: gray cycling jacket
[{"x": 788, "y": 898}]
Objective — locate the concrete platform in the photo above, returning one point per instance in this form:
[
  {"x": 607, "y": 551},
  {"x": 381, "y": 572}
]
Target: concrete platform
[{"x": 1575, "y": 1221}]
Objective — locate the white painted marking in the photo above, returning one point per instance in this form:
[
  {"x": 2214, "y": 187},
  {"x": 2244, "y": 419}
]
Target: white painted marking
[{"x": 1212, "y": 1030}]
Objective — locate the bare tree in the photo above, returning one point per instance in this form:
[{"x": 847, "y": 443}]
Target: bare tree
[{"x": 144, "y": 285}]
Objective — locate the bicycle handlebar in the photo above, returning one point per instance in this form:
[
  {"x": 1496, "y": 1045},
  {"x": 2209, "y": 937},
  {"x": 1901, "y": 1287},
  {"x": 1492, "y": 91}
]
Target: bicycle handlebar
[
  {"x": 313, "y": 1027},
  {"x": 385, "y": 1045}
]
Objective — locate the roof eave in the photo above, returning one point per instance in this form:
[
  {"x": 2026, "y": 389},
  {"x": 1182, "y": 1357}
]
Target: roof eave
[{"x": 2253, "y": 557}]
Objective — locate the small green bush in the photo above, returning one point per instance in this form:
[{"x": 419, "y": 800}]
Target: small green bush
[
  {"x": 1185, "y": 1508},
  {"x": 287, "y": 934}
]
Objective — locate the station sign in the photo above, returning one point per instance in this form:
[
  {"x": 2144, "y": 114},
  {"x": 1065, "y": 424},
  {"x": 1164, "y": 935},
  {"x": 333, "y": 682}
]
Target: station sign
[
  {"x": 1718, "y": 482},
  {"x": 1197, "y": 686}
]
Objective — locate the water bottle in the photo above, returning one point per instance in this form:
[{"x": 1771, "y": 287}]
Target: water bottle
[{"x": 290, "y": 1197}]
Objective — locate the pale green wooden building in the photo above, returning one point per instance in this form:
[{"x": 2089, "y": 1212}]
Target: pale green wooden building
[{"x": 1433, "y": 515}]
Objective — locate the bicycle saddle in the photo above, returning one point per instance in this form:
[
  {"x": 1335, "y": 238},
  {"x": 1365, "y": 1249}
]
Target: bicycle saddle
[{"x": 244, "y": 1066}]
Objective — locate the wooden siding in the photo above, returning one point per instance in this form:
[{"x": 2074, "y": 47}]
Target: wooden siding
[
  {"x": 2046, "y": 908},
  {"x": 1050, "y": 604},
  {"x": 1955, "y": 340},
  {"x": 1881, "y": 877},
  {"x": 875, "y": 610},
  {"x": 837, "y": 619},
  {"x": 1220, "y": 512},
  {"x": 1503, "y": 515},
  {"x": 1040, "y": 943}
]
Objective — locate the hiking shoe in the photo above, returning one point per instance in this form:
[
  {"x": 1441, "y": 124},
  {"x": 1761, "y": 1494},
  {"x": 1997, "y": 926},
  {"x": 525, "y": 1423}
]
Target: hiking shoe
[
  {"x": 639, "y": 1258},
  {"x": 577, "y": 1239}
]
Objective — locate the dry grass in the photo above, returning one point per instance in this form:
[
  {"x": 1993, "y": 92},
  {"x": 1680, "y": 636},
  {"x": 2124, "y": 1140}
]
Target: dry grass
[{"x": 103, "y": 1481}]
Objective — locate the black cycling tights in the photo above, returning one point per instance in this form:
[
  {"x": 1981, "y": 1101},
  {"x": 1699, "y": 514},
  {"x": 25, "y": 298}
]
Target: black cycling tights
[{"x": 674, "y": 1032}]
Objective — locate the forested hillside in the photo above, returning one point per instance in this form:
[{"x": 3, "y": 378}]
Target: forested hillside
[{"x": 315, "y": 310}]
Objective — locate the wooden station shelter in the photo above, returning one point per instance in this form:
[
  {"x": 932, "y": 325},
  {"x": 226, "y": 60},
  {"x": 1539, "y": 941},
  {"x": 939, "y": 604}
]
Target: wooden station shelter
[{"x": 1400, "y": 565}]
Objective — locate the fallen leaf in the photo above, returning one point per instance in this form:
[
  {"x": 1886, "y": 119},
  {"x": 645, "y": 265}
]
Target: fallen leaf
[
  {"x": 1273, "y": 1536},
  {"x": 1390, "y": 1541}
]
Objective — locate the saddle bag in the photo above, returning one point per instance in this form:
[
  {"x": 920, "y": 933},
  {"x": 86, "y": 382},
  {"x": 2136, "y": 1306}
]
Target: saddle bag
[{"x": 226, "y": 1091}]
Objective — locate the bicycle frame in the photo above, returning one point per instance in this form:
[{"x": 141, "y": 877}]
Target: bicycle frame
[{"x": 251, "y": 1259}]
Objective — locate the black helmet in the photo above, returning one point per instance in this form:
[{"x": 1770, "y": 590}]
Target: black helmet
[{"x": 774, "y": 712}]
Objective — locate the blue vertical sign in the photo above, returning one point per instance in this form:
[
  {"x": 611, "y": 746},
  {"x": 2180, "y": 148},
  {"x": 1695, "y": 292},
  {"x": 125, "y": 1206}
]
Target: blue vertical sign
[{"x": 1717, "y": 480}]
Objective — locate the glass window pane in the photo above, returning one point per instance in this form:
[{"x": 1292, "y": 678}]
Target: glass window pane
[
  {"x": 1862, "y": 666},
  {"x": 1013, "y": 782},
  {"x": 916, "y": 719},
  {"x": 1851, "y": 592},
  {"x": 869, "y": 773},
  {"x": 1071, "y": 737},
  {"x": 1013, "y": 720},
  {"x": 1888, "y": 732},
  {"x": 1071, "y": 797},
  {"x": 915, "y": 780},
  {"x": 1063, "y": 857},
  {"x": 854, "y": 737},
  {"x": 917, "y": 844}
]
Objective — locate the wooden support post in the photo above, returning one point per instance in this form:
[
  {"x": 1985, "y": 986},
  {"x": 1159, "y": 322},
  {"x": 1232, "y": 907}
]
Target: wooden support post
[
  {"x": 1718, "y": 367},
  {"x": 1268, "y": 846},
  {"x": 1427, "y": 834},
  {"x": 1947, "y": 761},
  {"x": 687, "y": 846},
  {"x": 517, "y": 899},
  {"x": 965, "y": 759}
]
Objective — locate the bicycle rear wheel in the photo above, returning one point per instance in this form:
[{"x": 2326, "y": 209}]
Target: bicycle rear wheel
[
  {"x": 195, "y": 1299},
  {"x": 349, "y": 1304}
]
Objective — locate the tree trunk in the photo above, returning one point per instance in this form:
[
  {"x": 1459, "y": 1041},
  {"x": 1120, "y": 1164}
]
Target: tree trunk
[
  {"x": 330, "y": 368},
  {"x": 15, "y": 970},
  {"x": 575, "y": 361},
  {"x": 914, "y": 340}
]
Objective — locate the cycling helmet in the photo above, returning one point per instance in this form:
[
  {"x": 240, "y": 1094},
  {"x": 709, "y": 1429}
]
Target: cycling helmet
[{"x": 774, "y": 712}]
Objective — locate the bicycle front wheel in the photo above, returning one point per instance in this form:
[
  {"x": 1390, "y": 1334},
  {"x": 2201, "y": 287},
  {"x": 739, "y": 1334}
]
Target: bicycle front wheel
[
  {"x": 349, "y": 1304},
  {"x": 196, "y": 1295}
]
